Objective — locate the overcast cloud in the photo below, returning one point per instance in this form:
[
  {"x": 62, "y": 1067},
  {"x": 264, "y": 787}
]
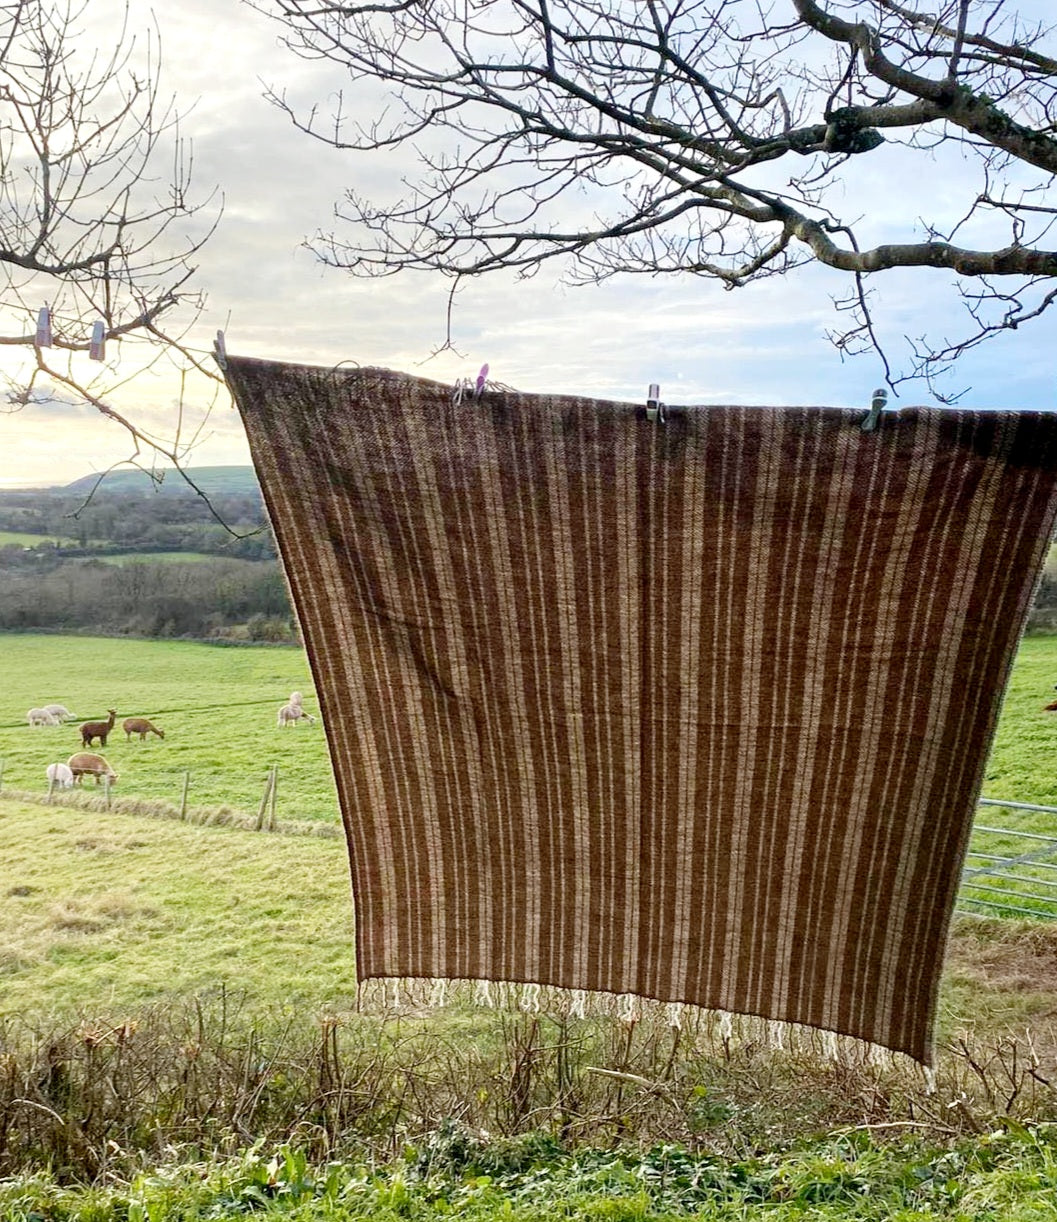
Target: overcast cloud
[{"x": 762, "y": 344}]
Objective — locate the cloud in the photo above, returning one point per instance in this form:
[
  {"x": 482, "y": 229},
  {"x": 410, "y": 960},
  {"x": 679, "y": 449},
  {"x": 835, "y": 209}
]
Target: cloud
[{"x": 763, "y": 344}]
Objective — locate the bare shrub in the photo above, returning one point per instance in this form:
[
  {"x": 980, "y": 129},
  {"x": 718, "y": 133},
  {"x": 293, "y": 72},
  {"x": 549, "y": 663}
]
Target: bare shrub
[{"x": 104, "y": 1096}]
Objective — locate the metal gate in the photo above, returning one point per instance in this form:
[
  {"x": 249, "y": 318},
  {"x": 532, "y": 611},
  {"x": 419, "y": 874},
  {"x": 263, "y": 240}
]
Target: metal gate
[{"x": 1009, "y": 872}]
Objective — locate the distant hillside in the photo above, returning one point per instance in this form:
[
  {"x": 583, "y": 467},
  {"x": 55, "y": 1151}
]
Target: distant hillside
[{"x": 213, "y": 481}]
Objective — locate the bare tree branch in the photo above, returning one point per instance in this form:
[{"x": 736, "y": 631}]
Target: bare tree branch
[
  {"x": 97, "y": 220},
  {"x": 689, "y": 136}
]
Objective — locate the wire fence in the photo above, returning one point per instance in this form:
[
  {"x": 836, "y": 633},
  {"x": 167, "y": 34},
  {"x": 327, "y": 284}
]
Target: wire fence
[{"x": 1010, "y": 872}]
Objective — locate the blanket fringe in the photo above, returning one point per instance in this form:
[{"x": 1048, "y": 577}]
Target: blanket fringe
[{"x": 417, "y": 997}]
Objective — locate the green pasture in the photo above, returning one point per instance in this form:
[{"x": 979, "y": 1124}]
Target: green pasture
[
  {"x": 23, "y": 539},
  {"x": 1023, "y": 763},
  {"x": 217, "y": 707},
  {"x": 1022, "y": 768},
  {"x": 162, "y": 558},
  {"x": 108, "y": 913},
  {"x": 198, "y": 984}
]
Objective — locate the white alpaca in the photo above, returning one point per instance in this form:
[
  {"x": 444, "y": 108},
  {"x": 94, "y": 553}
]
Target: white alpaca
[
  {"x": 291, "y": 714},
  {"x": 60, "y": 776},
  {"x": 60, "y": 711},
  {"x": 41, "y": 717}
]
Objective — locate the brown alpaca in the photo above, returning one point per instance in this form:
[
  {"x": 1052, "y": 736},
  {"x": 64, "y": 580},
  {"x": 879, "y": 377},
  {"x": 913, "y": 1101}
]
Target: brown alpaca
[
  {"x": 140, "y": 726},
  {"x": 97, "y": 729},
  {"x": 84, "y": 763}
]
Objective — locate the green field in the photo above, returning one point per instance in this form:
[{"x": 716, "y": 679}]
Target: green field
[
  {"x": 22, "y": 539},
  {"x": 453, "y": 1173},
  {"x": 216, "y": 705},
  {"x": 166, "y": 558},
  {"x": 106, "y": 914},
  {"x": 196, "y": 984},
  {"x": 1023, "y": 763}
]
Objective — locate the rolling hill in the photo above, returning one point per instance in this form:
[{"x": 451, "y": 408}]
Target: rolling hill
[{"x": 213, "y": 481}]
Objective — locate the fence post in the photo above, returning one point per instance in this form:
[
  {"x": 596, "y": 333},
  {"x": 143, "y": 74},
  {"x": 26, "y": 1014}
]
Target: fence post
[
  {"x": 51, "y": 788},
  {"x": 183, "y": 798},
  {"x": 275, "y": 786},
  {"x": 106, "y": 789},
  {"x": 262, "y": 810}
]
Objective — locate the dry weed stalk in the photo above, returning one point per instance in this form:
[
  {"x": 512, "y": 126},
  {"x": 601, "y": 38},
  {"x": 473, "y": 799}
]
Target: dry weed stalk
[{"x": 100, "y": 1098}]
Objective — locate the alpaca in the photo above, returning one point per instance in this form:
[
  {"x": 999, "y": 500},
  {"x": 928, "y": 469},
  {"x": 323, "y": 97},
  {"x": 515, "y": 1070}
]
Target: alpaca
[
  {"x": 60, "y": 711},
  {"x": 41, "y": 717},
  {"x": 97, "y": 729},
  {"x": 291, "y": 714},
  {"x": 140, "y": 726},
  {"x": 84, "y": 763},
  {"x": 59, "y": 776}
]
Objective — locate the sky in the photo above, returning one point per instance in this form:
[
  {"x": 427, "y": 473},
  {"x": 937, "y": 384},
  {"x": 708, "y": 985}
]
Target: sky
[{"x": 764, "y": 344}]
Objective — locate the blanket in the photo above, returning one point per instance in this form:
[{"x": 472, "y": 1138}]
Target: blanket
[{"x": 695, "y": 711}]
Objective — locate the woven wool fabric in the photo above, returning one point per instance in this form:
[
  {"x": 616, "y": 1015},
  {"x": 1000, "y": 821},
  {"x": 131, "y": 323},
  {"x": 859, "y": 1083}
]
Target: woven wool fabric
[{"x": 695, "y": 711}]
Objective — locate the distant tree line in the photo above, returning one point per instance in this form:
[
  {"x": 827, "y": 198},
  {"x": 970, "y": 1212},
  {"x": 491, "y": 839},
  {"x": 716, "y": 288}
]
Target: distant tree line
[
  {"x": 143, "y": 522},
  {"x": 64, "y": 587},
  {"x": 203, "y": 599}
]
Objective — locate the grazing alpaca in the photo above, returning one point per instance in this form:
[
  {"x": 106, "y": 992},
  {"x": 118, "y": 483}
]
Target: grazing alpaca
[
  {"x": 140, "y": 726},
  {"x": 84, "y": 763},
  {"x": 41, "y": 717},
  {"x": 59, "y": 775},
  {"x": 60, "y": 711},
  {"x": 97, "y": 729},
  {"x": 291, "y": 714}
]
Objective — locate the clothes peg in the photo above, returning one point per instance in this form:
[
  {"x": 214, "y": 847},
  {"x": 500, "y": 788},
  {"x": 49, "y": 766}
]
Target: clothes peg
[
  {"x": 43, "y": 339},
  {"x": 880, "y": 398},
  {"x": 482, "y": 377},
  {"x": 97, "y": 347},
  {"x": 656, "y": 412}
]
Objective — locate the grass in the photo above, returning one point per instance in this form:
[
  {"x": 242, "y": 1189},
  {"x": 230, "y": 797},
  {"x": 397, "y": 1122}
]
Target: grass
[
  {"x": 217, "y": 707},
  {"x": 94, "y": 916},
  {"x": 126, "y": 941},
  {"x": 1021, "y": 763},
  {"x": 24, "y": 539},
  {"x": 104, "y": 913},
  {"x": 128, "y": 929},
  {"x": 164, "y": 558},
  {"x": 1020, "y": 769}
]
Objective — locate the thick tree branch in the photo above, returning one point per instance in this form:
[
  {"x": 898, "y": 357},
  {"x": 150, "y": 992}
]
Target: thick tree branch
[
  {"x": 956, "y": 103},
  {"x": 651, "y": 138}
]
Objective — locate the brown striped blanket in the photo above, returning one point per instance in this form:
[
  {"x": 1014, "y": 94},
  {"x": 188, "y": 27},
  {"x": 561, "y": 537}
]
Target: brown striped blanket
[{"x": 696, "y": 711}]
